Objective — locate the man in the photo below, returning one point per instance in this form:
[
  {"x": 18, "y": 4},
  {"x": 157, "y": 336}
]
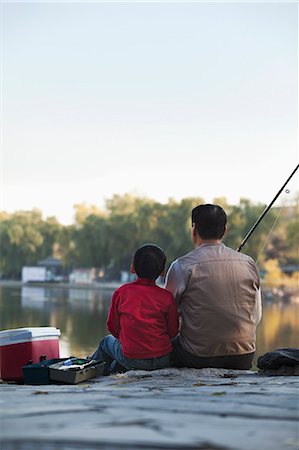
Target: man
[{"x": 217, "y": 291}]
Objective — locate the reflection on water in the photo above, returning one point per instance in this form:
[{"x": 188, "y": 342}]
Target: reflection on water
[{"x": 81, "y": 316}]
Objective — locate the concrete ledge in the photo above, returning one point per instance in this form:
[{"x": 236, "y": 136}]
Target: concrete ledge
[{"x": 207, "y": 409}]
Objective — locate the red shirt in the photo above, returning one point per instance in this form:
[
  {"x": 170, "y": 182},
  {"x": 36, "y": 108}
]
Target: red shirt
[{"x": 144, "y": 318}]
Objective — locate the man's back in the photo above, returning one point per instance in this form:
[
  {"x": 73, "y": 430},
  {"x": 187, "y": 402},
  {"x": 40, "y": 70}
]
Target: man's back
[{"x": 219, "y": 301}]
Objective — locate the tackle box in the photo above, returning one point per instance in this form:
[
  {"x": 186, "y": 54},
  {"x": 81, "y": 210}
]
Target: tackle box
[
  {"x": 56, "y": 371},
  {"x": 74, "y": 375}
]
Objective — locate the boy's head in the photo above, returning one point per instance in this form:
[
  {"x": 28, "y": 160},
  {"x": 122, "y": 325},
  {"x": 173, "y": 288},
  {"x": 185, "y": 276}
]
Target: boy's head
[
  {"x": 209, "y": 221},
  {"x": 149, "y": 261}
]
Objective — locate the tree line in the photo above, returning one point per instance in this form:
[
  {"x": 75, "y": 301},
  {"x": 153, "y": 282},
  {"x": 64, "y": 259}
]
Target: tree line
[{"x": 107, "y": 238}]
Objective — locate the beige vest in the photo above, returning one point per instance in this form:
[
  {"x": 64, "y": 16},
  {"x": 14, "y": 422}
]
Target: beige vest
[{"x": 219, "y": 306}]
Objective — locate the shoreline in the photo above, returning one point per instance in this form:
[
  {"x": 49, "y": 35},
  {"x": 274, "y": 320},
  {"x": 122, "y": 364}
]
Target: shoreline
[
  {"x": 269, "y": 293},
  {"x": 109, "y": 285},
  {"x": 115, "y": 284}
]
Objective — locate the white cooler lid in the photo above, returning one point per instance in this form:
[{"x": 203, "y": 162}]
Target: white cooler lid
[{"x": 8, "y": 337}]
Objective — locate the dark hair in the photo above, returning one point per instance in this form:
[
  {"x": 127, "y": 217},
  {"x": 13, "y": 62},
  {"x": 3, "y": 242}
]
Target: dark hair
[
  {"x": 149, "y": 261},
  {"x": 209, "y": 220}
]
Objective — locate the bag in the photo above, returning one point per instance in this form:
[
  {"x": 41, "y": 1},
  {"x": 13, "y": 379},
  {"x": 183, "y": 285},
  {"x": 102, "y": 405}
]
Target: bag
[{"x": 278, "y": 358}]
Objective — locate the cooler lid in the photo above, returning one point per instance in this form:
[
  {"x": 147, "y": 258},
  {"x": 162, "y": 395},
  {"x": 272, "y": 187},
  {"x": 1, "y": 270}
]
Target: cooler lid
[{"x": 26, "y": 334}]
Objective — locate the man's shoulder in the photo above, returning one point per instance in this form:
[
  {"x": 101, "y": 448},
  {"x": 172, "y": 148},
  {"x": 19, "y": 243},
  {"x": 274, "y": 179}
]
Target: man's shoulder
[
  {"x": 191, "y": 253},
  {"x": 232, "y": 254},
  {"x": 215, "y": 252},
  {"x": 193, "y": 256},
  {"x": 241, "y": 256}
]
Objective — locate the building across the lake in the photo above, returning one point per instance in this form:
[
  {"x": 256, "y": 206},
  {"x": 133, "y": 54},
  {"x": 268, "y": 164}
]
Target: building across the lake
[
  {"x": 83, "y": 276},
  {"x": 53, "y": 267},
  {"x": 49, "y": 269}
]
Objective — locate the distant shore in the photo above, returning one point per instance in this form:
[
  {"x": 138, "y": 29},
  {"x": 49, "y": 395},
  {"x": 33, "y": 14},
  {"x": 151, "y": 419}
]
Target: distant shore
[
  {"x": 103, "y": 285},
  {"x": 268, "y": 292}
]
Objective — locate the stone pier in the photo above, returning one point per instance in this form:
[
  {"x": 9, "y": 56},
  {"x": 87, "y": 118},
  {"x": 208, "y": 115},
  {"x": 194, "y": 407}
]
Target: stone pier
[{"x": 184, "y": 409}]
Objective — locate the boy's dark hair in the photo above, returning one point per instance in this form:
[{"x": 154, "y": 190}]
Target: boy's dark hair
[
  {"x": 149, "y": 261},
  {"x": 209, "y": 220}
]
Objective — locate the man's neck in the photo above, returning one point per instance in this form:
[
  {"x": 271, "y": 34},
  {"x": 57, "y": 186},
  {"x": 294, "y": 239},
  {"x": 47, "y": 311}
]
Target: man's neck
[{"x": 199, "y": 241}]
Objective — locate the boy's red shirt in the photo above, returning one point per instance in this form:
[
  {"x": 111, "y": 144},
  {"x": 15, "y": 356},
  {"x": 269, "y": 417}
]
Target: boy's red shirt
[{"x": 144, "y": 318}]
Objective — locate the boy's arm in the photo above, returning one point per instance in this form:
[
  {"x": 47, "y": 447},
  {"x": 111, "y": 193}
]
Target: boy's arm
[
  {"x": 113, "y": 322},
  {"x": 172, "y": 319}
]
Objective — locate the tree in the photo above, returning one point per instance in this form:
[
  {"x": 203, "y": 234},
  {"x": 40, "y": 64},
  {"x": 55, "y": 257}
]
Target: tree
[
  {"x": 25, "y": 239},
  {"x": 240, "y": 220},
  {"x": 108, "y": 238},
  {"x": 292, "y": 249}
]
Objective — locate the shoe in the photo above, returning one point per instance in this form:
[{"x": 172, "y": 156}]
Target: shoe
[{"x": 117, "y": 368}]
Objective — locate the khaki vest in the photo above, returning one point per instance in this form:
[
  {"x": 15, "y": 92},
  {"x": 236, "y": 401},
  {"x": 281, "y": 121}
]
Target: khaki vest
[{"x": 219, "y": 306}]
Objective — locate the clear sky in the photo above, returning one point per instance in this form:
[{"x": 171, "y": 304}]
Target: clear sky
[{"x": 158, "y": 99}]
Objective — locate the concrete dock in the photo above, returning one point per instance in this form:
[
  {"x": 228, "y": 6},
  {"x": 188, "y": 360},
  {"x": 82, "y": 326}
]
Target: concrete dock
[{"x": 207, "y": 409}]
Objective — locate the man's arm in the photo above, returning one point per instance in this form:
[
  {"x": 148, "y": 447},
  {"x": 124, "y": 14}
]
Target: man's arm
[
  {"x": 175, "y": 281},
  {"x": 258, "y": 295},
  {"x": 258, "y": 299}
]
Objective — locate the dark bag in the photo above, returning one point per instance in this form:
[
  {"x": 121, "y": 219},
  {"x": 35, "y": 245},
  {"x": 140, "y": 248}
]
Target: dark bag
[{"x": 278, "y": 358}]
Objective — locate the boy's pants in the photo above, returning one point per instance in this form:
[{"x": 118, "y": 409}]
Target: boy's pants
[{"x": 110, "y": 350}]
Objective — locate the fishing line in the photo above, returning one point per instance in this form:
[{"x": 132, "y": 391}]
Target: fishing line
[
  {"x": 269, "y": 234},
  {"x": 266, "y": 210},
  {"x": 287, "y": 191}
]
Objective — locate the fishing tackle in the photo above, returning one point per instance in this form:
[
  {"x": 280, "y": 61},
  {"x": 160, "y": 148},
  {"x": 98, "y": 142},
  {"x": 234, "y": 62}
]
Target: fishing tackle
[{"x": 265, "y": 212}]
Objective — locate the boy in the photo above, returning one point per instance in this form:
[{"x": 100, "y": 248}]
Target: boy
[{"x": 142, "y": 318}]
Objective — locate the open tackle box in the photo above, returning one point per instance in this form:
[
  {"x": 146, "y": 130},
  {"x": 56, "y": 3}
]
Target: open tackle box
[{"x": 63, "y": 370}]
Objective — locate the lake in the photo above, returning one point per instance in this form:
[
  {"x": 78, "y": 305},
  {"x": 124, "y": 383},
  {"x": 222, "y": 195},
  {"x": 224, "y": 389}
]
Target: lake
[{"x": 81, "y": 315}]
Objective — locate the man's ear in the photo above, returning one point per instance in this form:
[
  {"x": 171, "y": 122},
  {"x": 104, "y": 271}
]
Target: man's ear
[
  {"x": 132, "y": 268},
  {"x": 162, "y": 273},
  {"x": 194, "y": 232},
  {"x": 225, "y": 231}
]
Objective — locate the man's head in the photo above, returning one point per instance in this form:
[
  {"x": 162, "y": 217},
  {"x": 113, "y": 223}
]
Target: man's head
[
  {"x": 209, "y": 221},
  {"x": 149, "y": 261}
]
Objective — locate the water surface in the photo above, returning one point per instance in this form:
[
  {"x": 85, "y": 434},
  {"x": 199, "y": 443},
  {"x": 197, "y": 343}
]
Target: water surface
[{"x": 81, "y": 316}]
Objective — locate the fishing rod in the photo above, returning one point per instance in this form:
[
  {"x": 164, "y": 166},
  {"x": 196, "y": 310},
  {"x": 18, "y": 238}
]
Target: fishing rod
[{"x": 265, "y": 212}]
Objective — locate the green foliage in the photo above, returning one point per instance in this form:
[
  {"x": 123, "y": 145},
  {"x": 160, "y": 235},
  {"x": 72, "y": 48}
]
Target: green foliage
[
  {"x": 108, "y": 238},
  {"x": 240, "y": 220},
  {"x": 25, "y": 238}
]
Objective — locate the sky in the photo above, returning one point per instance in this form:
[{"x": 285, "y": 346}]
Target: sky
[{"x": 163, "y": 100}]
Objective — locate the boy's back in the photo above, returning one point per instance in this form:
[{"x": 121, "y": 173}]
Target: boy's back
[{"x": 143, "y": 317}]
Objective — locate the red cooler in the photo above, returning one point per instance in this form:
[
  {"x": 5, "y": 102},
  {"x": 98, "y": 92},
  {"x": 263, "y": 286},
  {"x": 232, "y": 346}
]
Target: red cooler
[{"x": 19, "y": 346}]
